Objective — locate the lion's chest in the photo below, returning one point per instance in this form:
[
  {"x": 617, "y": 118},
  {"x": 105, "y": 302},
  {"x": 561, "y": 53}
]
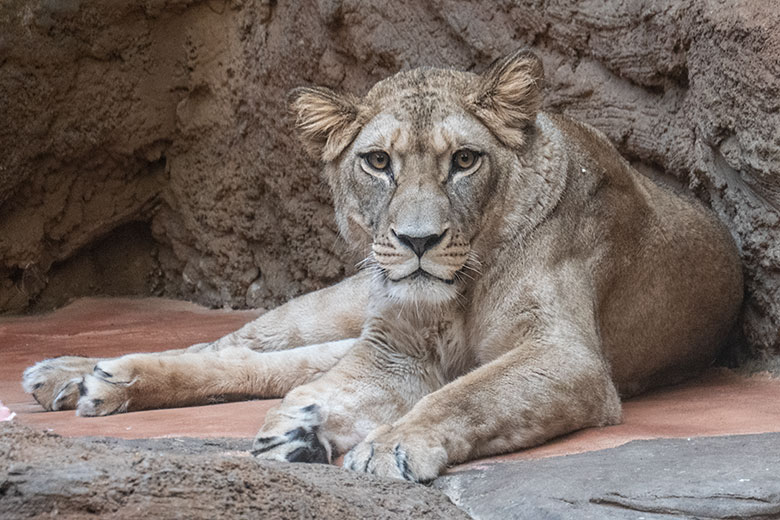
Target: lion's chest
[{"x": 448, "y": 339}]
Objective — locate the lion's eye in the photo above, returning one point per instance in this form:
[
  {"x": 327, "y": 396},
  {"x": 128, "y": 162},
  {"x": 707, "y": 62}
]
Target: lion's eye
[
  {"x": 378, "y": 160},
  {"x": 463, "y": 159}
]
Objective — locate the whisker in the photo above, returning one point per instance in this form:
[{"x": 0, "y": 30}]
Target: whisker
[
  {"x": 367, "y": 261},
  {"x": 464, "y": 274},
  {"x": 473, "y": 263}
]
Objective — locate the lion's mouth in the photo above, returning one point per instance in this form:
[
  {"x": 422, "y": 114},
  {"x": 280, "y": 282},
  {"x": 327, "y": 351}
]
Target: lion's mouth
[{"x": 420, "y": 273}]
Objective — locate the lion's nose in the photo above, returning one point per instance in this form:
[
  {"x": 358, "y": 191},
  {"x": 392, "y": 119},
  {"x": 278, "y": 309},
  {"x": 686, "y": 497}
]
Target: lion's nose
[{"x": 420, "y": 244}]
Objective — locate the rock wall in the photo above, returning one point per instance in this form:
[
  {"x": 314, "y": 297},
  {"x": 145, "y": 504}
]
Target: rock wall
[{"x": 146, "y": 146}]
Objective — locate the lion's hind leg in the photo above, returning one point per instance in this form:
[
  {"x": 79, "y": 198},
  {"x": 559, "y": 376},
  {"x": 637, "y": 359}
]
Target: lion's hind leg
[{"x": 144, "y": 381}]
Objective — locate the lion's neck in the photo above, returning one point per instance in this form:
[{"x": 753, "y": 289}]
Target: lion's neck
[{"x": 528, "y": 195}]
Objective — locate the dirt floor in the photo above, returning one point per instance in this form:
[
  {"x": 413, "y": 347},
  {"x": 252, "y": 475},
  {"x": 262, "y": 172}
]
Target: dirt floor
[
  {"x": 47, "y": 475},
  {"x": 200, "y": 464}
]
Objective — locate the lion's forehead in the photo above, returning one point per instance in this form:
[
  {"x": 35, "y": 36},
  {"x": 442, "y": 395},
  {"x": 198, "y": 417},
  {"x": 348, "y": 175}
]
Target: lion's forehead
[
  {"x": 421, "y": 109},
  {"x": 420, "y": 97},
  {"x": 403, "y": 132},
  {"x": 431, "y": 82}
]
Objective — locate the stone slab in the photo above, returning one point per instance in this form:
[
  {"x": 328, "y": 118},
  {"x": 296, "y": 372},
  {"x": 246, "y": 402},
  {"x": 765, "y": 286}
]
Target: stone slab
[{"x": 707, "y": 478}]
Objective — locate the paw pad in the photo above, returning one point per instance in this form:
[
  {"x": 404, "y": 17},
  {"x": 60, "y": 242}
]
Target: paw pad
[
  {"x": 297, "y": 445},
  {"x": 53, "y": 383}
]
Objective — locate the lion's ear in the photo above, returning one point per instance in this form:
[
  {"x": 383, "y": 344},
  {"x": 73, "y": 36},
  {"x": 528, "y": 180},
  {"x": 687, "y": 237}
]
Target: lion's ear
[
  {"x": 509, "y": 95},
  {"x": 327, "y": 122}
]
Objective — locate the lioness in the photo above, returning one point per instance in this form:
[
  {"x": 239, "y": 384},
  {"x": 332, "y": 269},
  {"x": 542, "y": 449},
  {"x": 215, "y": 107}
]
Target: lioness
[{"x": 520, "y": 277}]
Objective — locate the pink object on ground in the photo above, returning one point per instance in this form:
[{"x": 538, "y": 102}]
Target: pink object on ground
[
  {"x": 719, "y": 402},
  {"x": 5, "y": 413}
]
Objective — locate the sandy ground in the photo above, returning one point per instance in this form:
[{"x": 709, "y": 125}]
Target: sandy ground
[{"x": 719, "y": 402}]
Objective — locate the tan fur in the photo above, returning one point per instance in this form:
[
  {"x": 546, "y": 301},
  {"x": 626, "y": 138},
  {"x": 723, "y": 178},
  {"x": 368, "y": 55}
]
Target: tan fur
[
  {"x": 326, "y": 121},
  {"x": 499, "y": 306},
  {"x": 510, "y": 97}
]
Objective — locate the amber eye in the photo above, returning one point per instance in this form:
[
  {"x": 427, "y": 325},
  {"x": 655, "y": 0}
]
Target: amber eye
[
  {"x": 464, "y": 159},
  {"x": 378, "y": 160}
]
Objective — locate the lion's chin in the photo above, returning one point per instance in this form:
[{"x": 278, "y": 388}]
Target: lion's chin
[{"x": 421, "y": 287}]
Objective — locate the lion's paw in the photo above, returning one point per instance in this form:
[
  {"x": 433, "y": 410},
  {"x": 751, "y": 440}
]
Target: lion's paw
[
  {"x": 299, "y": 442},
  {"x": 55, "y": 383},
  {"x": 391, "y": 454},
  {"x": 106, "y": 390}
]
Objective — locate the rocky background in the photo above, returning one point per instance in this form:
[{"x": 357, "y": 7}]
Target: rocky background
[{"x": 145, "y": 146}]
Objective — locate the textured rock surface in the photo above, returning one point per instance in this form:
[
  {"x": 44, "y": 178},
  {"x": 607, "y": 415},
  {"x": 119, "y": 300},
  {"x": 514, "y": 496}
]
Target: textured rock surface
[
  {"x": 721, "y": 477},
  {"x": 147, "y": 149},
  {"x": 43, "y": 475},
  {"x": 711, "y": 477}
]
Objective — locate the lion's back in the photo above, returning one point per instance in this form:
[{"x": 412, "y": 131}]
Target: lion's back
[{"x": 669, "y": 283}]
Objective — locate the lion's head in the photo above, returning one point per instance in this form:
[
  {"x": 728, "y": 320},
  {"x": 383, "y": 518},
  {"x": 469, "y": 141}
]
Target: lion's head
[{"x": 414, "y": 164}]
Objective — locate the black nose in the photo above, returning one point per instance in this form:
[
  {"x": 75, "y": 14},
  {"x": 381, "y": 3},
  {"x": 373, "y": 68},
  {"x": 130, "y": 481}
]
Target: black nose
[{"x": 420, "y": 244}]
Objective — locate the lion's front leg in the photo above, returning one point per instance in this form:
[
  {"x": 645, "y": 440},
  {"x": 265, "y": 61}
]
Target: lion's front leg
[
  {"x": 371, "y": 386},
  {"x": 144, "y": 381},
  {"x": 330, "y": 314},
  {"x": 520, "y": 400}
]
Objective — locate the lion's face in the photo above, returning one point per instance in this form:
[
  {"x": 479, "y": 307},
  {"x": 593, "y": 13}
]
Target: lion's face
[
  {"x": 415, "y": 163},
  {"x": 417, "y": 177}
]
